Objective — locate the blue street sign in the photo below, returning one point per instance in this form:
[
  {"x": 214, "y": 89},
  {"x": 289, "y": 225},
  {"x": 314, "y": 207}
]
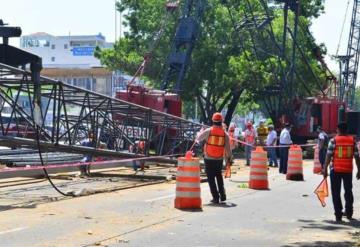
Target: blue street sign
[{"x": 83, "y": 51}]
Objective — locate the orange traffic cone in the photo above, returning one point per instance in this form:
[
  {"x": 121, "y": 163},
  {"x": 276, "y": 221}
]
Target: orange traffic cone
[
  {"x": 188, "y": 194},
  {"x": 317, "y": 166},
  {"x": 258, "y": 170},
  {"x": 295, "y": 164}
]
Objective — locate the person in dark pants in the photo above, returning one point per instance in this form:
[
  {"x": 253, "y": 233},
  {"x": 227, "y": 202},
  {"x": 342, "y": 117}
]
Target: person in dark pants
[
  {"x": 322, "y": 144},
  {"x": 285, "y": 140},
  {"x": 341, "y": 151},
  {"x": 217, "y": 145},
  {"x": 85, "y": 169},
  {"x": 270, "y": 143}
]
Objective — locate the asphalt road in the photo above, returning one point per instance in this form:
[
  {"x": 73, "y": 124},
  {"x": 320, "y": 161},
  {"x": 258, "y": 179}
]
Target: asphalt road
[{"x": 288, "y": 214}]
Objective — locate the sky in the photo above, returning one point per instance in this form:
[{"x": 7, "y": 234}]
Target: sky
[
  {"x": 85, "y": 17},
  {"x": 327, "y": 28},
  {"x": 61, "y": 17}
]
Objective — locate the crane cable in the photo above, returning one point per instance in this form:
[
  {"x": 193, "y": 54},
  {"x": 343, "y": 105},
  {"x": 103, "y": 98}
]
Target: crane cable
[{"x": 342, "y": 28}]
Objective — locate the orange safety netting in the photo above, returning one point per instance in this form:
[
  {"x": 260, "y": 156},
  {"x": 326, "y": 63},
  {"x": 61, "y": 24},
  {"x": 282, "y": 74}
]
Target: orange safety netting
[{"x": 322, "y": 191}]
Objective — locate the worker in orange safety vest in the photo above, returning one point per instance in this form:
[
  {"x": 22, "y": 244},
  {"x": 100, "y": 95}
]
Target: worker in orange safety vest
[
  {"x": 250, "y": 140},
  {"x": 216, "y": 147},
  {"x": 341, "y": 151}
]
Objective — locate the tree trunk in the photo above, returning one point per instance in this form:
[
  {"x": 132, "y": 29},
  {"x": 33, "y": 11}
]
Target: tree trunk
[{"x": 232, "y": 105}]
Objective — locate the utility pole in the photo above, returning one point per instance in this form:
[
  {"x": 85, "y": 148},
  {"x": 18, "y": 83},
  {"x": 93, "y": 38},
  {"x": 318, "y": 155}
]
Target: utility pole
[{"x": 116, "y": 19}]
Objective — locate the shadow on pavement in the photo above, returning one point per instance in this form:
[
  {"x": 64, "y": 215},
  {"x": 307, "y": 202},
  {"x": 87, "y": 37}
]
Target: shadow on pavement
[
  {"x": 331, "y": 226},
  {"x": 191, "y": 210},
  {"x": 222, "y": 205},
  {"x": 10, "y": 207},
  {"x": 321, "y": 244}
]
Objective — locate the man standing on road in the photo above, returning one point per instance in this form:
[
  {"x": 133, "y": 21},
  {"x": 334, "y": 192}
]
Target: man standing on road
[
  {"x": 322, "y": 145},
  {"x": 341, "y": 151},
  {"x": 250, "y": 139},
  {"x": 233, "y": 138},
  {"x": 85, "y": 169},
  {"x": 271, "y": 142},
  {"x": 217, "y": 145},
  {"x": 262, "y": 132},
  {"x": 285, "y": 140}
]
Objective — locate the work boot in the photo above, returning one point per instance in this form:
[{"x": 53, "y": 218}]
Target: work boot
[
  {"x": 349, "y": 216},
  {"x": 338, "y": 218},
  {"x": 223, "y": 197},
  {"x": 215, "y": 201}
]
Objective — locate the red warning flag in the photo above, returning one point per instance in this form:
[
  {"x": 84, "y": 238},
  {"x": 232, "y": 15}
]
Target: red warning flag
[
  {"x": 227, "y": 173},
  {"x": 322, "y": 191}
]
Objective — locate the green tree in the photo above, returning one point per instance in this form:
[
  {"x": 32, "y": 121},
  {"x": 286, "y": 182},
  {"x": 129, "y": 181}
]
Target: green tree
[{"x": 238, "y": 50}]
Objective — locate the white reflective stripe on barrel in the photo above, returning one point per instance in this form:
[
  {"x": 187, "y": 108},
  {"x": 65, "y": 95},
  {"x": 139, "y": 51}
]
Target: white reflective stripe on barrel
[
  {"x": 187, "y": 174},
  {"x": 257, "y": 162},
  {"x": 182, "y": 194},
  {"x": 258, "y": 170},
  {"x": 258, "y": 177},
  {"x": 189, "y": 163},
  {"x": 295, "y": 160},
  {"x": 187, "y": 185},
  {"x": 258, "y": 155}
]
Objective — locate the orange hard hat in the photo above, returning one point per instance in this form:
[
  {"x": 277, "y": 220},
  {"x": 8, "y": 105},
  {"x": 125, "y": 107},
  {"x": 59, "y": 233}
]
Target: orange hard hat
[
  {"x": 249, "y": 124},
  {"x": 217, "y": 117}
]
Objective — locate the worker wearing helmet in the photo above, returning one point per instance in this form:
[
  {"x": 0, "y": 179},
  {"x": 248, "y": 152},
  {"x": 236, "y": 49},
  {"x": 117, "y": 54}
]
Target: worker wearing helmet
[
  {"x": 250, "y": 139},
  {"x": 341, "y": 151},
  {"x": 216, "y": 147},
  {"x": 262, "y": 132}
]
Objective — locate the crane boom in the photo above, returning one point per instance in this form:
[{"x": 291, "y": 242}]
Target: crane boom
[
  {"x": 183, "y": 44},
  {"x": 350, "y": 62}
]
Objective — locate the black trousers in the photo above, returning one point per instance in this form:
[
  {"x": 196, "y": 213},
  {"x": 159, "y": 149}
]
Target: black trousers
[
  {"x": 284, "y": 156},
  {"x": 213, "y": 170},
  {"x": 335, "y": 179},
  {"x": 322, "y": 156}
]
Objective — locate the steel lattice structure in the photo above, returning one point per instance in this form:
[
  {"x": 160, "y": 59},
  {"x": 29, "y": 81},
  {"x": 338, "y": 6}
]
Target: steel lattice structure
[
  {"x": 350, "y": 62},
  {"x": 69, "y": 114}
]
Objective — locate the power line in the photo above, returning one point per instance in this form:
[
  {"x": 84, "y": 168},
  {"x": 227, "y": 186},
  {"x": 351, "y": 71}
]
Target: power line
[{"x": 342, "y": 28}]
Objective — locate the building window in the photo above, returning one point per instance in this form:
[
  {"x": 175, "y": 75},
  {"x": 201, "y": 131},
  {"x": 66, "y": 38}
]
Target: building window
[
  {"x": 88, "y": 83},
  {"x": 65, "y": 46},
  {"x": 52, "y": 59},
  {"x": 53, "y": 46}
]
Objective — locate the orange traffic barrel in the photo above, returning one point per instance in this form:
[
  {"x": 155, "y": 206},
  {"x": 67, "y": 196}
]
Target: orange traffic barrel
[
  {"x": 188, "y": 194},
  {"x": 317, "y": 165},
  {"x": 258, "y": 170},
  {"x": 295, "y": 164}
]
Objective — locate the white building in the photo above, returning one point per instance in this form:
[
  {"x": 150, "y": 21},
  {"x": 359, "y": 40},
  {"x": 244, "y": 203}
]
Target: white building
[
  {"x": 71, "y": 60},
  {"x": 65, "y": 51}
]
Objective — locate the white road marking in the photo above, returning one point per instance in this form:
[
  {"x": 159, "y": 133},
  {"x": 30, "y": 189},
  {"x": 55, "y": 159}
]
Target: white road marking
[
  {"x": 160, "y": 198},
  {"x": 169, "y": 196},
  {"x": 13, "y": 230}
]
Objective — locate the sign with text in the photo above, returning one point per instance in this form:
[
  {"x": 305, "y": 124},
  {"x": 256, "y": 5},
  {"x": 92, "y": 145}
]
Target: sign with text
[{"x": 83, "y": 51}]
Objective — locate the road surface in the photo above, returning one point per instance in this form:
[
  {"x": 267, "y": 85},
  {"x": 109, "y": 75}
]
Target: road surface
[{"x": 288, "y": 214}]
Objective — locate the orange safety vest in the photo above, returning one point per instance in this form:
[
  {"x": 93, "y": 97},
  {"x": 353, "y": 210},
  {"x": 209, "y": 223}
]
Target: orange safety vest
[
  {"x": 344, "y": 153},
  {"x": 215, "y": 144},
  {"x": 250, "y": 138}
]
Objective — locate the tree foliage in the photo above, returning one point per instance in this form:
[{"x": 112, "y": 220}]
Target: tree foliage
[{"x": 239, "y": 50}]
